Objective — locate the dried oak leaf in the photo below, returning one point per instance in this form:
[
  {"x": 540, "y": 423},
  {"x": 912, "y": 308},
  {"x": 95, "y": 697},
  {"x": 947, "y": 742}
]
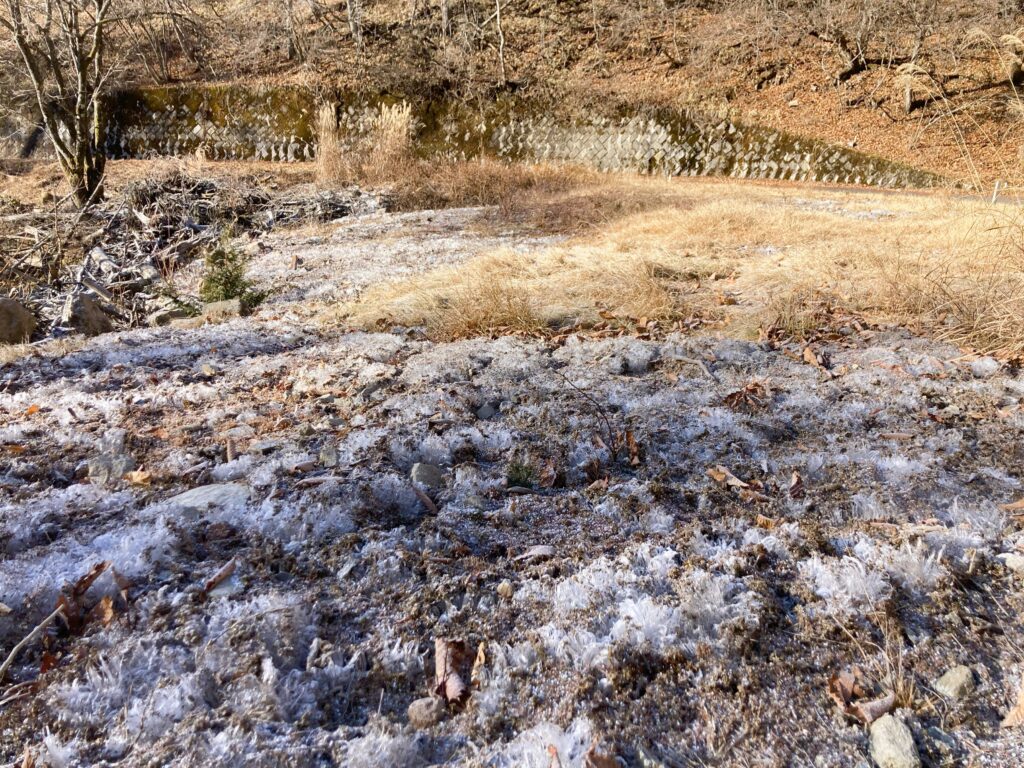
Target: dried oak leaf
[
  {"x": 103, "y": 611},
  {"x": 847, "y": 687},
  {"x": 82, "y": 585},
  {"x": 477, "y": 677},
  {"x": 449, "y": 658},
  {"x": 634, "y": 448},
  {"x": 796, "y": 487},
  {"x": 723, "y": 476}
]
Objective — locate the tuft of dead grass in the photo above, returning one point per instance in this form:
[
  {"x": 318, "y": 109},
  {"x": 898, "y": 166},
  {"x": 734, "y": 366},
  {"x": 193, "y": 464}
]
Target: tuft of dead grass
[
  {"x": 377, "y": 158},
  {"x": 745, "y": 257},
  {"x": 385, "y": 158}
]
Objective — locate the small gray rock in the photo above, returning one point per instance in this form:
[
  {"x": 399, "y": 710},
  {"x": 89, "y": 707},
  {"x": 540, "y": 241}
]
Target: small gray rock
[
  {"x": 426, "y": 712},
  {"x": 428, "y": 475},
  {"x": 1013, "y": 561},
  {"x": 86, "y": 316},
  {"x": 218, "y": 311},
  {"x": 329, "y": 456},
  {"x": 892, "y": 744},
  {"x": 486, "y": 411},
  {"x": 956, "y": 683},
  {"x": 985, "y": 367},
  {"x": 204, "y": 497},
  {"x": 165, "y": 316},
  {"x": 16, "y": 322}
]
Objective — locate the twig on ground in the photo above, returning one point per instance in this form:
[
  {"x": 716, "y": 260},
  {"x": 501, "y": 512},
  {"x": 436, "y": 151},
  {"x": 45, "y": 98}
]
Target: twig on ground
[{"x": 28, "y": 639}]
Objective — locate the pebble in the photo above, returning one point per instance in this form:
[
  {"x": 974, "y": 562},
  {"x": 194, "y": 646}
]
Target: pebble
[
  {"x": 1013, "y": 561},
  {"x": 426, "y": 712},
  {"x": 956, "y": 683},
  {"x": 429, "y": 475},
  {"x": 218, "y": 311},
  {"x": 505, "y": 589},
  {"x": 204, "y": 497},
  {"x": 892, "y": 744},
  {"x": 329, "y": 456},
  {"x": 486, "y": 411}
]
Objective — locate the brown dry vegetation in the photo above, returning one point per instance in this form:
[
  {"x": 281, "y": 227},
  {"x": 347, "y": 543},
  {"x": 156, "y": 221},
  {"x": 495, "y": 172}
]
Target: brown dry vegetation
[
  {"x": 841, "y": 70},
  {"x": 741, "y": 257}
]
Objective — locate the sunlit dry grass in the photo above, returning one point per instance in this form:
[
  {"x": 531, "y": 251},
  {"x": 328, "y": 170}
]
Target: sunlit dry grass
[{"x": 750, "y": 256}]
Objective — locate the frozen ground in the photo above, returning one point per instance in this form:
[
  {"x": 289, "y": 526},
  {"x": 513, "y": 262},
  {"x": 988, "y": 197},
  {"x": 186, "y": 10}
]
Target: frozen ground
[{"x": 765, "y": 524}]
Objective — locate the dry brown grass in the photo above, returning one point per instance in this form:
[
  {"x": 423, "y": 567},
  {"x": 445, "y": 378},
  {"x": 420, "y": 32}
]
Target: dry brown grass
[
  {"x": 385, "y": 158},
  {"x": 746, "y": 256},
  {"x": 377, "y": 158}
]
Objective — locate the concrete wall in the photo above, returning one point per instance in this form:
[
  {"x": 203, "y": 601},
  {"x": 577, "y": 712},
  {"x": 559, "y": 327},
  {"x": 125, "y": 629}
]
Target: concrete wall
[{"x": 280, "y": 124}]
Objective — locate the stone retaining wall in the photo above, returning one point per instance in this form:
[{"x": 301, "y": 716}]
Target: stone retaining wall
[{"x": 280, "y": 124}]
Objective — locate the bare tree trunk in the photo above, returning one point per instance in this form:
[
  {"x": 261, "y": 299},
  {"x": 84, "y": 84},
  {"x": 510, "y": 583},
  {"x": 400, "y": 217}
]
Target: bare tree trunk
[
  {"x": 355, "y": 20},
  {"x": 62, "y": 50},
  {"x": 296, "y": 43},
  {"x": 501, "y": 41}
]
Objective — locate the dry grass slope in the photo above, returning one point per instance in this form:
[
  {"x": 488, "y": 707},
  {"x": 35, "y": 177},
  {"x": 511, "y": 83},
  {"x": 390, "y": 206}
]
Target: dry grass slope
[{"x": 739, "y": 255}]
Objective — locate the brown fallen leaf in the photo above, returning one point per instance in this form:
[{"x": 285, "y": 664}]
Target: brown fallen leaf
[
  {"x": 449, "y": 656},
  {"x": 753, "y": 395},
  {"x": 220, "y": 576},
  {"x": 477, "y": 677},
  {"x": 5, "y": 610},
  {"x": 103, "y": 611},
  {"x": 556, "y": 761},
  {"x": 596, "y": 759},
  {"x": 634, "y": 448},
  {"x": 796, "y": 487},
  {"x": 82, "y": 585},
  {"x": 848, "y": 686},
  {"x": 139, "y": 477},
  {"x": 1019, "y": 504},
  {"x": 869, "y": 711},
  {"x": 1015, "y": 717},
  {"x": 32, "y": 410},
  {"x": 722, "y": 475},
  {"x": 761, "y": 521},
  {"x": 47, "y": 662}
]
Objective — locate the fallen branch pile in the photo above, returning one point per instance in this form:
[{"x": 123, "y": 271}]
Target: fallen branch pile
[{"x": 116, "y": 256}]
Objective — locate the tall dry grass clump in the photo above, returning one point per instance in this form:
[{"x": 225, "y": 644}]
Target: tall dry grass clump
[
  {"x": 972, "y": 294},
  {"x": 391, "y": 142},
  {"x": 381, "y": 157},
  {"x": 331, "y": 163}
]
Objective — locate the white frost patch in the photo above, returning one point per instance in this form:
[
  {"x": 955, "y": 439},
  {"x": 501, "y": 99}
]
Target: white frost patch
[
  {"x": 530, "y": 748},
  {"x": 845, "y": 584},
  {"x": 640, "y": 599}
]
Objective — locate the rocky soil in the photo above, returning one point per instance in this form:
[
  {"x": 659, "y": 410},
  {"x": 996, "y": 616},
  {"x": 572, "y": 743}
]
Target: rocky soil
[{"x": 276, "y": 540}]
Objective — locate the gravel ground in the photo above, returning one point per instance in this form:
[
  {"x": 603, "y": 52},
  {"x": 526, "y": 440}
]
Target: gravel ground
[{"x": 657, "y": 552}]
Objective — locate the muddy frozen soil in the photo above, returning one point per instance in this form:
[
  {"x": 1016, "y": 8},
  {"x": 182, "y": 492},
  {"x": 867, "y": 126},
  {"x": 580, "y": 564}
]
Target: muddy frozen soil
[{"x": 653, "y": 551}]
